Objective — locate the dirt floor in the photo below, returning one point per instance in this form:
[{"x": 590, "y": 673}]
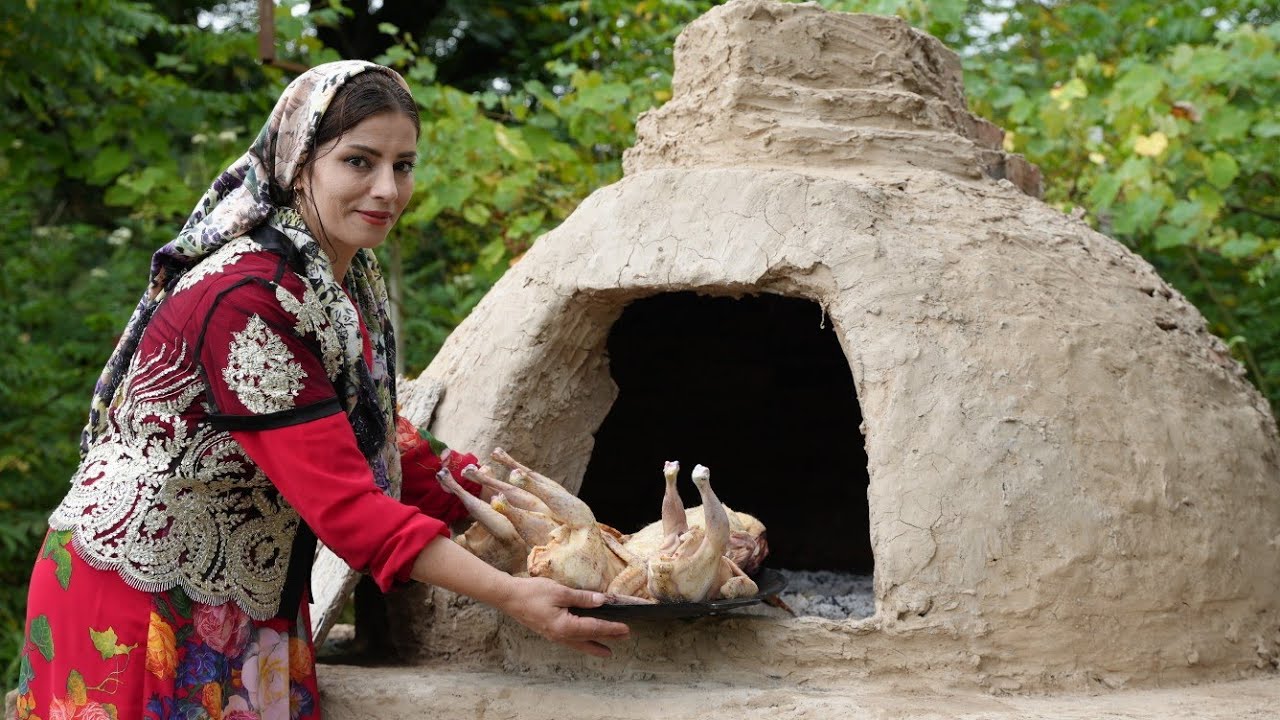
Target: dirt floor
[{"x": 414, "y": 692}]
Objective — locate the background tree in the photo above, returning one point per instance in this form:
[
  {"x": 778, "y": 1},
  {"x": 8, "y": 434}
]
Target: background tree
[
  {"x": 1157, "y": 120},
  {"x": 107, "y": 122}
]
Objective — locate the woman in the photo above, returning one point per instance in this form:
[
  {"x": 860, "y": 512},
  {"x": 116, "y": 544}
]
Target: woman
[{"x": 247, "y": 410}]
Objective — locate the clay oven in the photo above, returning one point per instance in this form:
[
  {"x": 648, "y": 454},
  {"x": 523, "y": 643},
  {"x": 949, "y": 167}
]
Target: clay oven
[{"x": 823, "y": 278}]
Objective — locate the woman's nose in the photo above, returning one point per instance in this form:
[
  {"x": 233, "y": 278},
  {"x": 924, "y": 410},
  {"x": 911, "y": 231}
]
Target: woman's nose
[{"x": 384, "y": 184}]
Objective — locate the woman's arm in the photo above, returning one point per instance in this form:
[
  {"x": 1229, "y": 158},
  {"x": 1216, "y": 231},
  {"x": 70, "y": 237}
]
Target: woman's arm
[{"x": 319, "y": 470}]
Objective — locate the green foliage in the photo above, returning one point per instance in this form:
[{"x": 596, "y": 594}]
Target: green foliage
[
  {"x": 1165, "y": 137},
  {"x": 1157, "y": 119},
  {"x": 498, "y": 169}
]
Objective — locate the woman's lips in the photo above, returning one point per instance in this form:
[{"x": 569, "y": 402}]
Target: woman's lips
[{"x": 374, "y": 218}]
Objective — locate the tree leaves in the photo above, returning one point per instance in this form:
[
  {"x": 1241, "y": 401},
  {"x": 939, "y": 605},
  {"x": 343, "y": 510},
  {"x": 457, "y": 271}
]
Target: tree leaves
[
  {"x": 1169, "y": 151},
  {"x": 1152, "y": 145},
  {"x": 107, "y": 164},
  {"x": 1138, "y": 86},
  {"x": 1221, "y": 169},
  {"x": 512, "y": 143}
]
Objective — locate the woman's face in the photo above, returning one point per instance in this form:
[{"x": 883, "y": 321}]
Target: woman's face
[{"x": 359, "y": 184}]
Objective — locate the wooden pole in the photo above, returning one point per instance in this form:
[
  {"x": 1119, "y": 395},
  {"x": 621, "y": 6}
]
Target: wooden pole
[
  {"x": 267, "y": 39},
  {"x": 266, "y": 31}
]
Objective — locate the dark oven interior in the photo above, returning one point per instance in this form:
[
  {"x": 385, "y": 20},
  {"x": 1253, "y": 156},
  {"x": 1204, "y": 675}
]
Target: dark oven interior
[{"x": 757, "y": 389}]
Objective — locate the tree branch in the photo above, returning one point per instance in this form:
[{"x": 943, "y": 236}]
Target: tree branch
[{"x": 1251, "y": 211}]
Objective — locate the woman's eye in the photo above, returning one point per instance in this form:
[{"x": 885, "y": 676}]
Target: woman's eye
[
  {"x": 358, "y": 161},
  {"x": 405, "y": 166}
]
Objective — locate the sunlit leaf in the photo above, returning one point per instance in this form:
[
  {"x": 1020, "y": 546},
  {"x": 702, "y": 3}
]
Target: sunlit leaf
[
  {"x": 1151, "y": 145},
  {"x": 1171, "y": 236},
  {"x": 511, "y": 143},
  {"x": 1184, "y": 212},
  {"x": 1138, "y": 214},
  {"x": 476, "y": 214},
  {"x": 1241, "y": 247},
  {"x": 108, "y": 163},
  {"x": 1105, "y": 191},
  {"x": 1138, "y": 86},
  {"x": 491, "y": 254}
]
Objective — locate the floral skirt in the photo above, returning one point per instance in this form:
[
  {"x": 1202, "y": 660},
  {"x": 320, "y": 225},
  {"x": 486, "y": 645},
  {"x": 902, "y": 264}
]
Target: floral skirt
[{"x": 98, "y": 649}]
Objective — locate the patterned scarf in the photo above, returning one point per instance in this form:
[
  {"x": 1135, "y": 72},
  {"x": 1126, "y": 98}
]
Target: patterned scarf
[{"x": 251, "y": 193}]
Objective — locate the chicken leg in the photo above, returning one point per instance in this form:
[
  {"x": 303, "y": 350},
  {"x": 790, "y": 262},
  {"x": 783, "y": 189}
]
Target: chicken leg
[
  {"x": 520, "y": 498},
  {"x": 563, "y": 505},
  {"x": 697, "y": 569},
  {"x": 493, "y": 538},
  {"x": 534, "y": 527},
  {"x": 576, "y": 553},
  {"x": 674, "y": 521}
]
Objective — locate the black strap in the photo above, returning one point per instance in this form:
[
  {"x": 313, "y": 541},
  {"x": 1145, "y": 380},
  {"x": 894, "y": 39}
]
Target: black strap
[
  {"x": 301, "y": 557},
  {"x": 278, "y": 419}
]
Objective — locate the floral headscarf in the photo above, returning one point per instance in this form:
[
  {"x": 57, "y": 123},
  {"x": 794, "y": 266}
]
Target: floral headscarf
[{"x": 247, "y": 195}]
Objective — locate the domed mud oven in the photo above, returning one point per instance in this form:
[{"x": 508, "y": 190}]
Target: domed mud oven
[{"x": 817, "y": 250}]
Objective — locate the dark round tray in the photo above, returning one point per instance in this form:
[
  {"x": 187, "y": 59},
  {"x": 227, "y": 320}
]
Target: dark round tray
[{"x": 770, "y": 583}]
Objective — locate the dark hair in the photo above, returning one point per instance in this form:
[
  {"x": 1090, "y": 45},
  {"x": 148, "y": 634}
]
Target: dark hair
[{"x": 370, "y": 93}]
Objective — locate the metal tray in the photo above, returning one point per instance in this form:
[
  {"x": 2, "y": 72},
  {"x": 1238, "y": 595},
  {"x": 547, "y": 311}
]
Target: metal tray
[{"x": 770, "y": 583}]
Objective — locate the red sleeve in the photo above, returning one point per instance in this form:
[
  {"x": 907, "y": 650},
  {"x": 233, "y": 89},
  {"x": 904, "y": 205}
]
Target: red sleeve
[
  {"x": 319, "y": 469},
  {"x": 421, "y": 489}
]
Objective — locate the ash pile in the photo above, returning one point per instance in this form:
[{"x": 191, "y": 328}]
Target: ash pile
[{"x": 828, "y": 594}]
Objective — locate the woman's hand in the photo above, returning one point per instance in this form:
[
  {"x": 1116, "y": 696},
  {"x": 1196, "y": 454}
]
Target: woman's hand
[
  {"x": 542, "y": 606},
  {"x": 537, "y": 603}
]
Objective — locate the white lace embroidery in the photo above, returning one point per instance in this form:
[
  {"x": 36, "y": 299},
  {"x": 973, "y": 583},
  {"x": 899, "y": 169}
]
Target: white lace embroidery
[
  {"x": 261, "y": 370},
  {"x": 167, "y": 502},
  {"x": 216, "y": 261},
  {"x": 313, "y": 319}
]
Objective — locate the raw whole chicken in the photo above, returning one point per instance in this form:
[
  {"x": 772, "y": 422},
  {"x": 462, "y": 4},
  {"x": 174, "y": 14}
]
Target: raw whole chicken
[
  {"x": 690, "y": 563},
  {"x": 533, "y": 524},
  {"x": 747, "y": 544},
  {"x": 560, "y": 535},
  {"x": 575, "y": 553}
]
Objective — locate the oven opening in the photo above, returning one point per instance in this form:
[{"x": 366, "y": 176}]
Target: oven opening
[{"x": 758, "y": 390}]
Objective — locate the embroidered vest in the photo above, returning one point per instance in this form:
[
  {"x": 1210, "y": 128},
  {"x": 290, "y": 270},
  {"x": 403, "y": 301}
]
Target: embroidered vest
[{"x": 166, "y": 497}]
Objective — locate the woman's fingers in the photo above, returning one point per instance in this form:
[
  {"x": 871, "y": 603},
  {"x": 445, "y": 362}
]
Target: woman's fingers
[
  {"x": 575, "y": 627},
  {"x": 590, "y": 648},
  {"x": 585, "y": 636},
  {"x": 590, "y": 627},
  {"x": 582, "y": 598},
  {"x": 584, "y": 627},
  {"x": 569, "y": 627},
  {"x": 545, "y": 610}
]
